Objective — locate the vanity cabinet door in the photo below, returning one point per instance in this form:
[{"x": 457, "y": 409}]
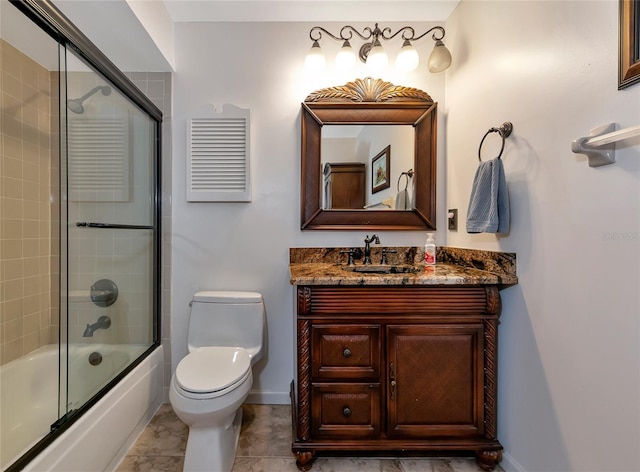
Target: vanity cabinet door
[{"x": 435, "y": 380}]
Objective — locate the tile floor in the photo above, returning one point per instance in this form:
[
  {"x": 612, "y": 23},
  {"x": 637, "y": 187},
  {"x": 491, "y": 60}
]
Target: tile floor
[{"x": 264, "y": 446}]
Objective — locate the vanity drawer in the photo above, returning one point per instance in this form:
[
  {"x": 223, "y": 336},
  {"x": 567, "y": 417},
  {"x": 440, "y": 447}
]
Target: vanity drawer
[
  {"x": 345, "y": 410},
  {"x": 345, "y": 352}
]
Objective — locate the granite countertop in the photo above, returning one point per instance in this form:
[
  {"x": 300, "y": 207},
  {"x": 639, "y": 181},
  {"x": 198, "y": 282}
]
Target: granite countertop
[{"x": 454, "y": 266}]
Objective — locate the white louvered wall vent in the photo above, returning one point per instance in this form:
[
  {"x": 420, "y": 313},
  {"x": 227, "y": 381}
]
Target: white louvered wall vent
[
  {"x": 99, "y": 164},
  {"x": 218, "y": 156}
]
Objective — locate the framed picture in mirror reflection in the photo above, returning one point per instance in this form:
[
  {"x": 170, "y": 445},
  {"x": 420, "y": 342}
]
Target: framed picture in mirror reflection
[{"x": 380, "y": 170}]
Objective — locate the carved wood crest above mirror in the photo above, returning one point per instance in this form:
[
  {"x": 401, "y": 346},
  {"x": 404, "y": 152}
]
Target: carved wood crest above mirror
[
  {"x": 368, "y": 90},
  {"x": 368, "y": 111}
]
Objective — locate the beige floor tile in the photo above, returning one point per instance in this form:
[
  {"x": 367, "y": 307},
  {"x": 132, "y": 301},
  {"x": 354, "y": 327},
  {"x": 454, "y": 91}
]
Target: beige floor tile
[
  {"x": 264, "y": 464},
  {"x": 266, "y": 431},
  {"x": 151, "y": 464},
  {"x": 165, "y": 435},
  {"x": 264, "y": 446},
  {"x": 330, "y": 464},
  {"x": 441, "y": 465}
]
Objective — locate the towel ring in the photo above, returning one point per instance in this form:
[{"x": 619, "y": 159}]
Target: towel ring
[
  {"x": 408, "y": 174},
  {"x": 504, "y": 131}
]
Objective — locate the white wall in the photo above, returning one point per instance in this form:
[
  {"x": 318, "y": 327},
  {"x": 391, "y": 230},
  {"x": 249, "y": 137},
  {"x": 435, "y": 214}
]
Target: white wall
[
  {"x": 245, "y": 245},
  {"x": 569, "y": 385},
  {"x": 158, "y": 24}
]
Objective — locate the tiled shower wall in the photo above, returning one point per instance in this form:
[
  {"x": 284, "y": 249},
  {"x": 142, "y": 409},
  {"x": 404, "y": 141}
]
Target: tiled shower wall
[
  {"x": 28, "y": 217},
  {"x": 157, "y": 86}
]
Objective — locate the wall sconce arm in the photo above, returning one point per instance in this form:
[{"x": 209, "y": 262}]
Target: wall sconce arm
[
  {"x": 373, "y": 36},
  {"x": 319, "y": 30}
]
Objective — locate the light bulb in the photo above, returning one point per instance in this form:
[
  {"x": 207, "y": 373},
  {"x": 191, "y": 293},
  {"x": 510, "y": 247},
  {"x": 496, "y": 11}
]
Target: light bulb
[
  {"x": 377, "y": 58},
  {"x": 346, "y": 58},
  {"x": 439, "y": 59},
  {"x": 315, "y": 58},
  {"x": 408, "y": 58}
]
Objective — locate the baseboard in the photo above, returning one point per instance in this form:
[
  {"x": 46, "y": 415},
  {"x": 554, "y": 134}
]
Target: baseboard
[
  {"x": 509, "y": 464},
  {"x": 268, "y": 398}
]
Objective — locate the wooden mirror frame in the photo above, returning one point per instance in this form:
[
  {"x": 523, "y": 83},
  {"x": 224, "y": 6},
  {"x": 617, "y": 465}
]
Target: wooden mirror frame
[
  {"x": 629, "y": 47},
  {"x": 369, "y": 101}
]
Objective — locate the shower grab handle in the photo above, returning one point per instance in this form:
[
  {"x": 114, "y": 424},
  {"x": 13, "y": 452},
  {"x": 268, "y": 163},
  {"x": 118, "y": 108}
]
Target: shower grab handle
[{"x": 84, "y": 224}]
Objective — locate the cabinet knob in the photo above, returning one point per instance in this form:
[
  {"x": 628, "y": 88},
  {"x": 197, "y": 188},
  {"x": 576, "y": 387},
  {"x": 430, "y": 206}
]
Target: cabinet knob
[
  {"x": 346, "y": 352},
  {"x": 347, "y": 411}
]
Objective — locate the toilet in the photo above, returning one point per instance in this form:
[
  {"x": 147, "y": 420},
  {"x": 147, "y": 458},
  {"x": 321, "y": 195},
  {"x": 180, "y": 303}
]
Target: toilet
[{"x": 226, "y": 338}]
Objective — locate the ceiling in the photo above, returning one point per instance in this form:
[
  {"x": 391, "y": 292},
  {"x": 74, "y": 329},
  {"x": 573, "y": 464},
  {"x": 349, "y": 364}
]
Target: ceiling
[
  {"x": 131, "y": 46},
  {"x": 309, "y": 10}
]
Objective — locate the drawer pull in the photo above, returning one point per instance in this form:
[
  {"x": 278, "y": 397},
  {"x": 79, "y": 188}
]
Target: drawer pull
[
  {"x": 347, "y": 411},
  {"x": 346, "y": 352}
]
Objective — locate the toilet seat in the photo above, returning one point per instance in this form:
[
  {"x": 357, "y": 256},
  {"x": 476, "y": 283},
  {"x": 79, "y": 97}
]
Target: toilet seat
[{"x": 210, "y": 372}]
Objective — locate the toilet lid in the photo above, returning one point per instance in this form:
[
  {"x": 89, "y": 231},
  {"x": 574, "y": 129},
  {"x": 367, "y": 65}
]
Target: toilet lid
[
  {"x": 216, "y": 296},
  {"x": 209, "y": 369}
]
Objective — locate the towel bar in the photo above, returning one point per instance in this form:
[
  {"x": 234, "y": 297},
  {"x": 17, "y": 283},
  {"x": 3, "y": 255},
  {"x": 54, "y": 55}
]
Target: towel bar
[
  {"x": 605, "y": 135},
  {"x": 504, "y": 131}
]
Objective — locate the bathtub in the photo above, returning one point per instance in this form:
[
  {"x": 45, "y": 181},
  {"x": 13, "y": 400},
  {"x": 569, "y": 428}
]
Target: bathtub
[{"x": 101, "y": 437}]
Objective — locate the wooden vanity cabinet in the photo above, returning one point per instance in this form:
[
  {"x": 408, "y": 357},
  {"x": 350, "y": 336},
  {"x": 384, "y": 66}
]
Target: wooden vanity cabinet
[{"x": 396, "y": 368}]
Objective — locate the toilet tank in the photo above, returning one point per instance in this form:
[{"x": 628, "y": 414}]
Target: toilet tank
[{"x": 234, "y": 319}]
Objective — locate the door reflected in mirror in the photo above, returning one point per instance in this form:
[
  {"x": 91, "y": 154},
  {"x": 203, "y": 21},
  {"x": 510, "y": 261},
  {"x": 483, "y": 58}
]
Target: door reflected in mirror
[{"x": 356, "y": 174}]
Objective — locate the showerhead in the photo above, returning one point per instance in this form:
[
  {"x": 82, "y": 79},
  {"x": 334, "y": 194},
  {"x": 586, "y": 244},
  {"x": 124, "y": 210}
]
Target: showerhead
[{"x": 75, "y": 104}]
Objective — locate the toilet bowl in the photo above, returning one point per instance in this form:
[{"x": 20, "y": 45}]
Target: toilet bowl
[{"x": 213, "y": 380}]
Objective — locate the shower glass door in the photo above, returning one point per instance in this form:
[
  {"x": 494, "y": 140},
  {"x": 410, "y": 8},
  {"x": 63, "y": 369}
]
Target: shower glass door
[
  {"x": 79, "y": 227},
  {"x": 109, "y": 242}
]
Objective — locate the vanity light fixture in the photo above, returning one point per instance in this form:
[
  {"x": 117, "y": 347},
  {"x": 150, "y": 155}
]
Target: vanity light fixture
[{"x": 373, "y": 54}]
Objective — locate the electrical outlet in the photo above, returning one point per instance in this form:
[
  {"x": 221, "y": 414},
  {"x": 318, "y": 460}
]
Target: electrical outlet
[{"x": 452, "y": 218}]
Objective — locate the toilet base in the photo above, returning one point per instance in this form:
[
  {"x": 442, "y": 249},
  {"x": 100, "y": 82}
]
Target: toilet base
[{"x": 213, "y": 449}]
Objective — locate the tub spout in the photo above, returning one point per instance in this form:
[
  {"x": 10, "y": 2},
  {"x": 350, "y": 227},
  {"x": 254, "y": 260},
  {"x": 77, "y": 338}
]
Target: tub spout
[{"x": 103, "y": 323}]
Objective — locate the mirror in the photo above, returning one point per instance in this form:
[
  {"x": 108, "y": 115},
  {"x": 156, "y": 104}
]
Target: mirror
[
  {"x": 367, "y": 167},
  {"x": 358, "y": 139}
]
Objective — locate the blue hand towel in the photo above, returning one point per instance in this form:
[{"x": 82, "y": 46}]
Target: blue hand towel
[{"x": 489, "y": 203}]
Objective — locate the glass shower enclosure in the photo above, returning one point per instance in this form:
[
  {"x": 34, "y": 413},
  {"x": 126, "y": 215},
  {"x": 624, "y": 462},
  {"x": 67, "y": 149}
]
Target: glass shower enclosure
[
  {"x": 107, "y": 241},
  {"x": 79, "y": 241}
]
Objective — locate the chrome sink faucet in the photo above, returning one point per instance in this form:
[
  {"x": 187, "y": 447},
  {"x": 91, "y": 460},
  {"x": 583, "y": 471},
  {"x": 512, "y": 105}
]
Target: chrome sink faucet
[
  {"x": 103, "y": 323},
  {"x": 367, "y": 247}
]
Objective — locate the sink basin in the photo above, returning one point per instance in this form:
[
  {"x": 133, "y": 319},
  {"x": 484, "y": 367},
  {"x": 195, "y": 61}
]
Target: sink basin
[{"x": 382, "y": 269}]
